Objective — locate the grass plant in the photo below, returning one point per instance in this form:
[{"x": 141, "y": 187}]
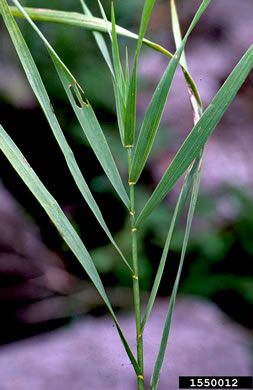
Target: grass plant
[{"x": 188, "y": 159}]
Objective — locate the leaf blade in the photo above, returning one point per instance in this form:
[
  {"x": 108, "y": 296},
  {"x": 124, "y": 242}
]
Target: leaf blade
[
  {"x": 43, "y": 98},
  {"x": 177, "y": 31},
  {"x": 200, "y": 133},
  {"x": 130, "y": 118},
  {"x": 152, "y": 119},
  {"x": 52, "y": 208},
  {"x": 61, "y": 222},
  {"x": 147, "y": 9},
  {"x": 166, "y": 330},
  {"x": 93, "y": 23},
  {"x": 50, "y": 205},
  {"x": 103, "y": 48},
  {"x": 156, "y": 107},
  {"x": 100, "y": 41},
  {"x": 84, "y": 21},
  {"x": 105, "y": 19},
  {"x": 119, "y": 84},
  {"x": 85, "y": 116},
  {"x": 178, "y": 209},
  {"x": 116, "y": 57}
]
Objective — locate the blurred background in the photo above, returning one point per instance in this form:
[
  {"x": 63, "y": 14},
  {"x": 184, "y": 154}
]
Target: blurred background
[{"x": 42, "y": 285}]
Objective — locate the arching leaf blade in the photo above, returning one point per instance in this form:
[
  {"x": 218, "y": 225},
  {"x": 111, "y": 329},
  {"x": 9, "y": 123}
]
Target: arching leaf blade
[
  {"x": 40, "y": 92},
  {"x": 200, "y": 133},
  {"x": 92, "y": 130},
  {"x": 85, "y": 116},
  {"x": 84, "y": 21},
  {"x": 61, "y": 222},
  {"x": 70, "y": 18},
  {"x": 92, "y": 23},
  {"x": 50, "y": 205}
]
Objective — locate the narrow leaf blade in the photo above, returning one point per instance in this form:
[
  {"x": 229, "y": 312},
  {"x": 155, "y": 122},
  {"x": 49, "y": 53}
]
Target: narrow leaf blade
[
  {"x": 100, "y": 41},
  {"x": 61, "y": 222},
  {"x": 126, "y": 74},
  {"x": 116, "y": 57},
  {"x": 23, "y": 168},
  {"x": 152, "y": 118},
  {"x": 130, "y": 119},
  {"x": 92, "y": 130},
  {"x": 51, "y": 207},
  {"x": 108, "y": 26},
  {"x": 148, "y": 6},
  {"x": 130, "y": 116},
  {"x": 86, "y": 117},
  {"x": 39, "y": 90},
  {"x": 177, "y": 31},
  {"x": 156, "y": 107},
  {"x": 119, "y": 83},
  {"x": 92, "y": 23},
  {"x": 200, "y": 133},
  {"x": 178, "y": 209},
  {"x": 165, "y": 335},
  {"x": 103, "y": 48},
  {"x": 84, "y": 21}
]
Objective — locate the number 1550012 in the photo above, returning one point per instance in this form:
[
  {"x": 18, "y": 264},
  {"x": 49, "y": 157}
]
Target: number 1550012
[{"x": 242, "y": 382}]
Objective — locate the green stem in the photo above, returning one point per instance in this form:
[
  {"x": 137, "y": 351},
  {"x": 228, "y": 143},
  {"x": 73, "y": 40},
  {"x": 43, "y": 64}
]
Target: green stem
[{"x": 136, "y": 287}]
